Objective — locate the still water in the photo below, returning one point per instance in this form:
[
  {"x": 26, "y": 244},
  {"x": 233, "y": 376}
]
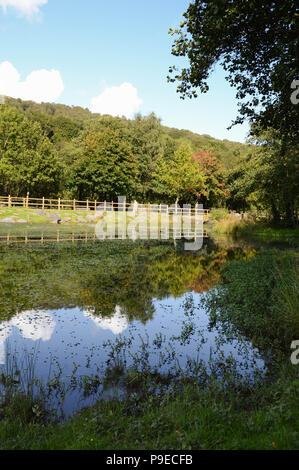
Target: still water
[{"x": 69, "y": 311}]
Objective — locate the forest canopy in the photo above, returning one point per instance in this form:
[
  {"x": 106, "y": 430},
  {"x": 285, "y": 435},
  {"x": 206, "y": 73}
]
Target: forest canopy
[
  {"x": 99, "y": 157},
  {"x": 54, "y": 150}
]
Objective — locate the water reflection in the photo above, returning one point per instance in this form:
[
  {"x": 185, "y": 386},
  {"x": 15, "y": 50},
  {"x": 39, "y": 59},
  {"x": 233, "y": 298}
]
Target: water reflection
[
  {"x": 34, "y": 325},
  {"x": 117, "y": 323},
  {"x": 67, "y": 301}
]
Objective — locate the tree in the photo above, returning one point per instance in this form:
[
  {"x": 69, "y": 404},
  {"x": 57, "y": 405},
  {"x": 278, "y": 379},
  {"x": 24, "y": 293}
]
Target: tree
[
  {"x": 145, "y": 138},
  {"x": 267, "y": 179},
  {"x": 28, "y": 160},
  {"x": 213, "y": 170},
  {"x": 107, "y": 169},
  {"x": 256, "y": 43},
  {"x": 180, "y": 178}
]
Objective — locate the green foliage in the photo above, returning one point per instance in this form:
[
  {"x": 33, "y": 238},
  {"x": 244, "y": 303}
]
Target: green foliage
[
  {"x": 28, "y": 161},
  {"x": 218, "y": 214},
  {"x": 143, "y": 144},
  {"x": 256, "y": 43},
  {"x": 267, "y": 178},
  {"x": 106, "y": 169},
  {"x": 180, "y": 177},
  {"x": 259, "y": 297}
]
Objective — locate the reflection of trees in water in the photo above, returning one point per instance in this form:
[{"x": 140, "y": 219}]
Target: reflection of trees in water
[{"x": 101, "y": 277}]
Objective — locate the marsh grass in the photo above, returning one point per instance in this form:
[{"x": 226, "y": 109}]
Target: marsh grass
[
  {"x": 287, "y": 305},
  {"x": 229, "y": 224}
]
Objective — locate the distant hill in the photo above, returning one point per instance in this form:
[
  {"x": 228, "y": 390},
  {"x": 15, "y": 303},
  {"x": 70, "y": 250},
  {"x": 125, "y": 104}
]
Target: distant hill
[
  {"x": 75, "y": 118},
  {"x": 228, "y": 152}
]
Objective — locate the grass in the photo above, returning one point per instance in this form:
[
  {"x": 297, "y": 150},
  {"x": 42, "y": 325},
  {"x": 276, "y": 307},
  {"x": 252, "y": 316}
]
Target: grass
[
  {"x": 191, "y": 419},
  {"x": 259, "y": 297},
  {"x": 34, "y": 216},
  {"x": 238, "y": 227}
]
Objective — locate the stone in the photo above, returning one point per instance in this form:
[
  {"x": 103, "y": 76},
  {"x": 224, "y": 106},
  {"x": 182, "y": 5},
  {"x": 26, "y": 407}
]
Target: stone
[
  {"x": 7, "y": 220},
  {"x": 40, "y": 212}
]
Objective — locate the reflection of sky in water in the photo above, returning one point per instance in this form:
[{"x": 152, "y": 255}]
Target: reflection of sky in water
[
  {"x": 74, "y": 336},
  {"x": 117, "y": 323}
]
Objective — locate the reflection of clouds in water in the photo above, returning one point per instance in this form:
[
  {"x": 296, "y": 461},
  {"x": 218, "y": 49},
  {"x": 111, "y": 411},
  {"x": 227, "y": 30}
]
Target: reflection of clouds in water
[
  {"x": 117, "y": 323},
  {"x": 35, "y": 325},
  {"x": 5, "y": 330},
  {"x": 31, "y": 324}
]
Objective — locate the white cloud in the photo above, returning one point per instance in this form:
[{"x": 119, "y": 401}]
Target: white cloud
[
  {"x": 39, "y": 85},
  {"x": 24, "y": 7},
  {"x": 117, "y": 101}
]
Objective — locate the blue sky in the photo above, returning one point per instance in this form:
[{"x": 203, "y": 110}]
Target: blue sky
[{"x": 108, "y": 56}]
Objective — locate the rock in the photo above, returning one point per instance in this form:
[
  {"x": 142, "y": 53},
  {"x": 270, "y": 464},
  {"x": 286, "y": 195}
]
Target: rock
[
  {"x": 8, "y": 220},
  {"x": 40, "y": 212},
  {"x": 54, "y": 217}
]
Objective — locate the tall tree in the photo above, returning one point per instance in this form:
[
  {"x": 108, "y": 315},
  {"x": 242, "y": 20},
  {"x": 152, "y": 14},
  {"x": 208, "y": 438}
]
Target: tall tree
[
  {"x": 214, "y": 174},
  {"x": 107, "y": 169},
  {"x": 256, "y": 43},
  {"x": 145, "y": 137},
  {"x": 268, "y": 178},
  {"x": 28, "y": 161},
  {"x": 180, "y": 178}
]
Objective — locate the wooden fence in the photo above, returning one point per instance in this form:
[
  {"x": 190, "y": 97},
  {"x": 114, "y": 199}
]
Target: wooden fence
[{"x": 102, "y": 206}]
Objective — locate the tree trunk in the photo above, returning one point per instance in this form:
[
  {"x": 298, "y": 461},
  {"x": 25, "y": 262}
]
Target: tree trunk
[{"x": 275, "y": 214}]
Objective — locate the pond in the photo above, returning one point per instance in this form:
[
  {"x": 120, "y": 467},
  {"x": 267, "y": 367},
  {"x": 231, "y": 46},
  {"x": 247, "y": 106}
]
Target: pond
[{"x": 75, "y": 315}]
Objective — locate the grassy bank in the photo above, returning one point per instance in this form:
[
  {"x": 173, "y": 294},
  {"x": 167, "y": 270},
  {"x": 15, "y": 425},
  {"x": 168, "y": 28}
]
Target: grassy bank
[
  {"x": 222, "y": 223},
  {"x": 264, "y": 419},
  {"x": 258, "y": 298},
  {"x": 21, "y": 215}
]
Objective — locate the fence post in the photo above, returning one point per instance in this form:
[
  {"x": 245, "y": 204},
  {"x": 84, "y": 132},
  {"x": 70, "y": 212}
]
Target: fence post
[
  {"x": 95, "y": 206},
  {"x": 9, "y": 201},
  {"x": 104, "y": 206},
  {"x": 112, "y": 206},
  {"x": 74, "y": 204},
  {"x": 27, "y": 201},
  {"x": 59, "y": 203},
  {"x": 43, "y": 206},
  {"x": 87, "y": 205}
]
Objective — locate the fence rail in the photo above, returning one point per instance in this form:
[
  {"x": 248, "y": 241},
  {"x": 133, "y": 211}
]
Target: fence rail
[
  {"x": 82, "y": 237},
  {"x": 93, "y": 206}
]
